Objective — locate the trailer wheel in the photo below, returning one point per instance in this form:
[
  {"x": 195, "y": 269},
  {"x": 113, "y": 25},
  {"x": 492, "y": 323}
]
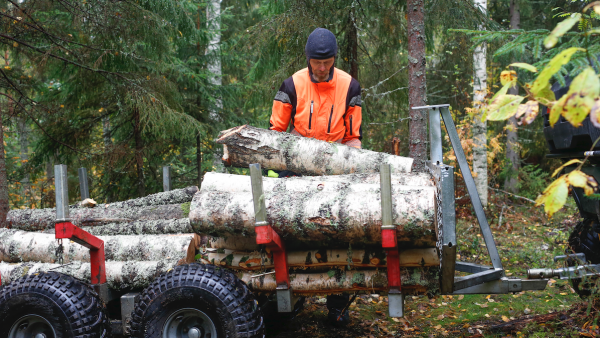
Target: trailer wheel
[
  {"x": 585, "y": 239},
  {"x": 51, "y": 305},
  {"x": 197, "y": 300}
]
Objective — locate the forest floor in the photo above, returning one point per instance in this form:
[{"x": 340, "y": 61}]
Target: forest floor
[{"x": 525, "y": 239}]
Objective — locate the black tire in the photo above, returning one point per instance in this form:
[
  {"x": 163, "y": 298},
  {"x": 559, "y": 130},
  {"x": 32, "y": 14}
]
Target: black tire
[
  {"x": 214, "y": 291},
  {"x": 585, "y": 240},
  {"x": 69, "y": 307}
]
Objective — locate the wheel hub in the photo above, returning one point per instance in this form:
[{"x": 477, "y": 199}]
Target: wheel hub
[
  {"x": 31, "y": 326},
  {"x": 189, "y": 323}
]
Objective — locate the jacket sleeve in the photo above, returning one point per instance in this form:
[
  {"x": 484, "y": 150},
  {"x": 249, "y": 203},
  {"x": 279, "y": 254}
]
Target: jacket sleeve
[
  {"x": 353, "y": 116},
  {"x": 284, "y": 106}
]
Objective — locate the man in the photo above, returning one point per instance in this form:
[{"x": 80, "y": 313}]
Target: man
[{"x": 320, "y": 102}]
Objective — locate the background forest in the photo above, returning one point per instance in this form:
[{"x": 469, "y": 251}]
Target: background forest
[{"x": 126, "y": 87}]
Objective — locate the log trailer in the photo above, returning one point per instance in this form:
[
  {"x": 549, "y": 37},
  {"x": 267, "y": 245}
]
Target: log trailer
[{"x": 208, "y": 299}]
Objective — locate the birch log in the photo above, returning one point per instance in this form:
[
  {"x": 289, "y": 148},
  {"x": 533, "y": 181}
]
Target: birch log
[
  {"x": 21, "y": 246},
  {"x": 356, "y": 182},
  {"x": 152, "y": 227},
  {"x": 414, "y": 280},
  {"x": 245, "y": 145},
  {"x": 119, "y": 275},
  {"x": 319, "y": 218},
  {"x": 41, "y": 219},
  {"x": 325, "y": 258},
  {"x": 176, "y": 196}
]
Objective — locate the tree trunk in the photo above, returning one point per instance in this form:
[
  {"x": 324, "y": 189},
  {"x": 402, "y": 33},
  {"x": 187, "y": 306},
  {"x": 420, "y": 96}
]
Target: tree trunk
[
  {"x": 4, "y": 206},
  {"x": 213, "y": 52},
  {"x": 512, "y": 146},
  {"x": 139, "y": 161},
  {"x": 146, "y": 227},
  {"x": 41, "y": 219},
  {"x": 106, "y": 133},
  {"x": 199, "y": 159},
  {"x": 23, "y": 131},
  {"x": 417, "y": 86},
  {"x": 479, "y": 126},
  {"x": 21, "y": 246},
  {"x": 307, "y": 156},
  {"x": 119, "y": 275},
  {"x": 414, "y": 281},
  {"x": 352, "y": 45},
  {"x": 319, "y": 217},
  {"x": 326, "y": 258}
]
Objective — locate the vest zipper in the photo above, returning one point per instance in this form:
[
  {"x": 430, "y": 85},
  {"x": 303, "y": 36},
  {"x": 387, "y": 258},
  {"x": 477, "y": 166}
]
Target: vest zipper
[
  {"x": 330, "y": 116},
  {"x": 350, "y": 125},
  {"x": 311, "y": 112}
]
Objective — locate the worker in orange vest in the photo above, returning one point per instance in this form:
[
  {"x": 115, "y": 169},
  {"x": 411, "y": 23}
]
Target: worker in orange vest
[{"x": 321, "y": 102}]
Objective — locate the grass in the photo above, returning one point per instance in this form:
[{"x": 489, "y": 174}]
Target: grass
[{"x": 526, "y": 239}]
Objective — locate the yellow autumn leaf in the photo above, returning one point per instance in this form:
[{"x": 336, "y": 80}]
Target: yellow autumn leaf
[
  {"x": 525, "y": 66},
  {"x": 545, "y": 96},
  {"x": 554, "y": 196},
  {"x": 578, "y": 179},
  {"x": 505, "y": 319},
  {"x": 560, "y": 29},
  {"x": 542, "y": 81},
  {"x": 595, "y": 114},
  {"x": 557, "y": 171},
  {"x": 508, "y": 76},
  {"x": 528, "y": 112},
  {"x": 577, "y": 103},
  {"x": 504, "y": 107}
]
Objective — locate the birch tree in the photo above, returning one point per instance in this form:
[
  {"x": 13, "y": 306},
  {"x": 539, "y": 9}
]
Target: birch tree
[{"x": 479, "y": 125}]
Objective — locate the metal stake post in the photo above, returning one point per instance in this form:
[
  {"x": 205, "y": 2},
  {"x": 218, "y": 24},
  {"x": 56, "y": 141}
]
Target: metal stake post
[
  {"x": 83, "y": 183},
  {"x": 266, "y": 235},
  {"x": 62, "y": 193},
  {"x": 166, "y": 178}
]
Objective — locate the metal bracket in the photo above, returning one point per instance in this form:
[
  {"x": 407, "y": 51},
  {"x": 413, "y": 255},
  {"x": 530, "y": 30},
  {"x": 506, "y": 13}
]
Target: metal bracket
[
  {"x": 472, "y": 267},
  {"x": 505, "y": 285},
  {"x": 396, "y": 304},
  {"x": 266, "y": 235},
  {"x": 127, "y": 307},
  {"x": 65, "y": 229}
]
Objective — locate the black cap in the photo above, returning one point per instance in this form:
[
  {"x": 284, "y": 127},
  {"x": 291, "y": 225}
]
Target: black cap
[{"x": 321, "y": 44}]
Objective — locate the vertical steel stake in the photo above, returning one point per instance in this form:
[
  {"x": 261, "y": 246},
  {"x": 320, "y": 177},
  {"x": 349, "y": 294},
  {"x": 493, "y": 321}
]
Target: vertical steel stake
[
  {"x": 266, "y": 235},
  {"x": 62, "y": 193},
  {"x": 435, "y": 136},
  {"x": 166, "y": 178},
  {"x": 83, "y": 183}
]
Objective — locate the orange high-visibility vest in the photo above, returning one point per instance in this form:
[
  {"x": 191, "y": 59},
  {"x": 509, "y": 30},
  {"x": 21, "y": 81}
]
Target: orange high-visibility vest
[{"x": 328, "y": 111}]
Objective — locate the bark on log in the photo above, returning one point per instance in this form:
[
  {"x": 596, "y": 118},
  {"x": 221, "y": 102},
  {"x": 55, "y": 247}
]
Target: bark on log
[
  {"x": 20, "y": 246},
  {"x": 119, "y": 275},
  {"x": 244, "y": 145},
  {"x": 355, "y": 183},
  {"x": 177, "y": 196},
  {"x": 318, "y": 218},
  {"x": 153, "y": 227},
  {"x": 41, "y": 219},
  {"x": 326, "y": 258},
  {"x": 414, "y": 280}
]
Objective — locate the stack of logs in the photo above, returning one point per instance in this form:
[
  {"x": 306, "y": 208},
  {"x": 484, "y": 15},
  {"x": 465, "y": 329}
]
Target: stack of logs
[{"x": 330, "y": 224}]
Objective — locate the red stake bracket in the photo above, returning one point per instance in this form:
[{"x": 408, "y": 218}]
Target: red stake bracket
[
  {"x": 266, "y": 235},
  {"x": 70, "y": 231},
  {"x": 390, "y": 244}
]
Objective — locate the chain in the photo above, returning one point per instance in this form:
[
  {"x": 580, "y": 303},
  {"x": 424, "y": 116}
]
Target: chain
[
  {"x": 59, "y": 252},
  {"x": 262, "y": 259}
]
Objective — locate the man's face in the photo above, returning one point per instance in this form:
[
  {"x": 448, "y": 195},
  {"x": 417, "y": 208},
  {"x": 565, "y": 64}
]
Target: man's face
[{"x": 320, "y": 68}]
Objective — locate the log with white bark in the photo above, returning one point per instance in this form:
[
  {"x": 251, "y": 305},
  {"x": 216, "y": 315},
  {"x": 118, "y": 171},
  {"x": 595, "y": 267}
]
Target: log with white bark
[
  {"x": 325, "y": 258},
  {"x": 22, "y": 246},
  {"x": 151, "y": 227},
  {"x": 414, "y": 280},
  {"x": 119, "y": 275},
  {"x": 41, "y": 219},
  {"x": 319, "y": 217},
  {"x": 352, "y": 183},
  {"x": 176, "y": 196},
  {"x": 245, "y": 145}
]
